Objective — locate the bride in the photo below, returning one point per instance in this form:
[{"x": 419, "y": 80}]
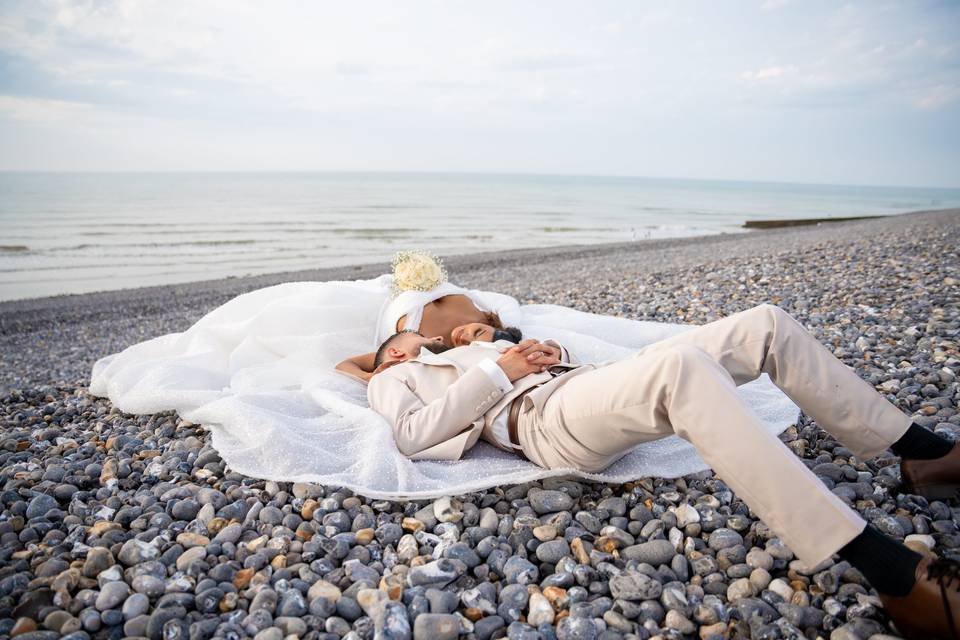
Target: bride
[{"x": 260, "y": 373}]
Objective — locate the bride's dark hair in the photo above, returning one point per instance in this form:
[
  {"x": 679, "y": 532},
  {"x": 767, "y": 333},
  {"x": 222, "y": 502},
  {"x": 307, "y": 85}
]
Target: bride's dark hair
[
  {"x": 510, "y": 334},
  {"x": 493, "y": 320}
]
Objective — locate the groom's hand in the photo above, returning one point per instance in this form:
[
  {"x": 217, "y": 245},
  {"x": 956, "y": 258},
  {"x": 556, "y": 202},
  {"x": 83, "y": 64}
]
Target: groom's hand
[
  {"x": 516, "y": 365},
  {"x": 540, "y": 353},
  {"x": 527, "y": 357}
]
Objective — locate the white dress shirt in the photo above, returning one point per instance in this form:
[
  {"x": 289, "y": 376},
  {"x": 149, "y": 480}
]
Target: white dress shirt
[{"x": 499, "y": 426}]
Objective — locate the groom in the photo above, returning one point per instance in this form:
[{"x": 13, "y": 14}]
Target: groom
[{"x": 560, "y": 415}]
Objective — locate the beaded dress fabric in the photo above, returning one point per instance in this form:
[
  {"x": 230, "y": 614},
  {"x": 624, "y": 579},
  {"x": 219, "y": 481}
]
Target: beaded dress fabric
[{"x": 258, "y": 372}]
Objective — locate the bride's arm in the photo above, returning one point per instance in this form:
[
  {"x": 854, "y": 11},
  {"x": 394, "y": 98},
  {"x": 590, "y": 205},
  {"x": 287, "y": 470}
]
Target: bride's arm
[{"x": 358, "y": 367}]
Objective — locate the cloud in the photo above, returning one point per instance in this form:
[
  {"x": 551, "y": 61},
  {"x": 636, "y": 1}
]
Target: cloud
[
  {"x": 42, "y": 110},
  {"x": 938, "y": 96},
  {"x": 768, "y": 73},
  {"x": 774, "y": 5},
  {"x": 607, "y": 28},
  {"x": 616, "y": 85},
  {"x": 545, "y": 61}
]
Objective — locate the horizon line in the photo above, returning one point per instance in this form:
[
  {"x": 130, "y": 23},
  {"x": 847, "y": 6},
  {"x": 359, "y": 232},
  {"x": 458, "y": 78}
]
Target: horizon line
[{"x": 425, "y": 172}]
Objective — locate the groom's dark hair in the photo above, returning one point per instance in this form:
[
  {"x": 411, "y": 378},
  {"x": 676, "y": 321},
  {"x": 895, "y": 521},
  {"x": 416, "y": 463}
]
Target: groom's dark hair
[{"x": 382, "y": 351}]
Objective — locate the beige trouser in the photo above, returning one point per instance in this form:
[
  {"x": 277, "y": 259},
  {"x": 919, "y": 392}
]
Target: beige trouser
[{"x": 686, "y": 385}]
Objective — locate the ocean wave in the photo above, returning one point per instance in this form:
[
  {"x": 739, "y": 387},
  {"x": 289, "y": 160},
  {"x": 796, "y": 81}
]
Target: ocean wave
[
  {"x": 373, "y": 232},
  {"x": 140, "y": 265},
  {"x": 576, "y": 229},
  {"x": 14, "y": 248},
  {"x": 194, "y": 225},
  {"x": 192, "y": 243}
]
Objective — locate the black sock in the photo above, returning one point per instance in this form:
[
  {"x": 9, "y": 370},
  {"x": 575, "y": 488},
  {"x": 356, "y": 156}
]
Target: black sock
[
  {"x": 921, "y": 444},
  {"x": 888, "y": 565}
]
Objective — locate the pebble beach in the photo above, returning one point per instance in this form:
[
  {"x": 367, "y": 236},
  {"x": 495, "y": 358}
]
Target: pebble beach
[{"x": 115, "y": 525}]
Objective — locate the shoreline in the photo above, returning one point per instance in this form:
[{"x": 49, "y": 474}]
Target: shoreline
[
  {"x": 454, "y": 263},
  {"x": 56, "y": 340}
]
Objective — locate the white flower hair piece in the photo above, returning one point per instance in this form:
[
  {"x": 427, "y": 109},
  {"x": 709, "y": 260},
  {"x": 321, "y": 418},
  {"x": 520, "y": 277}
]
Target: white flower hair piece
[{"x": 417, "y": 270}]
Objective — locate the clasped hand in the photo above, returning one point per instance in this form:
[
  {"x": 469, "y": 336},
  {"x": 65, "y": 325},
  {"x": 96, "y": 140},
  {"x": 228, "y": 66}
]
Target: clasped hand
[{"x": 530, "y": 356}]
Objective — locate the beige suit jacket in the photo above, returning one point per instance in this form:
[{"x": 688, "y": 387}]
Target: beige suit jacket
[{"x": 440, "y": 404}]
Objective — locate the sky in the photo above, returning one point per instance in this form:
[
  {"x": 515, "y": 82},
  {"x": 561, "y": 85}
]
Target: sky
[{"x": 773, "y": 90}]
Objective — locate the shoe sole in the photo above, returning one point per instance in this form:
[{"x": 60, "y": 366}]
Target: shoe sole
[{"x": 935, "y": 491}]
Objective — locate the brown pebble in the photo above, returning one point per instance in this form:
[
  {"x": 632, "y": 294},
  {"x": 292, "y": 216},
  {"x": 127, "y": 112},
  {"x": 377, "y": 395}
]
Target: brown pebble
[
  {"x": 579, "y": 552},
  {"x": 473, "y": 614},
  {"x": 364, "y": 536},
  {"x": 556, "y": 596},
  {"x": 228, "y": 602},
  {"x": 412, "y": 525},
  {"x": 23, "y": 625},
  {"x": 242, "y": 579},
  {"x": 309, "y": 507},
  {"x": 216, "y": 525},
  {"x": 393, "y": 586},
  {"x": 102, "y": 526}
]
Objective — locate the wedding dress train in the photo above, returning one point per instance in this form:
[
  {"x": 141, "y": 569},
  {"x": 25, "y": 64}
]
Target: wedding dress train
[{"x": 258, "y": 372}]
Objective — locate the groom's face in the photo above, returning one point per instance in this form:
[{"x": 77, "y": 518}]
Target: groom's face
[{"x": 408, "y": 345}]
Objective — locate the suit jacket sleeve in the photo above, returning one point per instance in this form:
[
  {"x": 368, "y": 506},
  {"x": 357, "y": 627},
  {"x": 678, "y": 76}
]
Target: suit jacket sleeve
[
  {"x": 565, "y": 355},
  {"x": 419, "y": 425}
]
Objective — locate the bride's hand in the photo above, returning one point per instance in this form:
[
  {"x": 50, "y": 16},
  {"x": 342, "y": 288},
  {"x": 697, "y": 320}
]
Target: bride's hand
[{"x": 539, "y": 354}]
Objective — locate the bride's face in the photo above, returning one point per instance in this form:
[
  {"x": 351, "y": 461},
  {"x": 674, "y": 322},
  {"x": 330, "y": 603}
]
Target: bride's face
[{"x": 473, "y": 332}]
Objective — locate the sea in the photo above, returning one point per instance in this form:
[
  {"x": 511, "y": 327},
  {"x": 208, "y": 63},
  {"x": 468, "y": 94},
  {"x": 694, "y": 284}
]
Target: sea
[{"x": 65, "y": 233}]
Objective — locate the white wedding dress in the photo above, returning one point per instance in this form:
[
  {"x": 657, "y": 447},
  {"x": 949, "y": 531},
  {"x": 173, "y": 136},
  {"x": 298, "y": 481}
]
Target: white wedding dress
[{"x": 258, "y": 372}]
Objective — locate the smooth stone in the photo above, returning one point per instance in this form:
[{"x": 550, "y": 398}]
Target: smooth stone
[
  {"x": 98, "y": 559},
  {"x": 436, "y": 626},
  {"x": 135, "y": 551},
  {"x": 631, "y": 585},
  {"x": 739, "y": 589},
  {"x": 325, "y": 590},
  {"x": 485, "y": 627},
  {"x": 270, "y": 633},
  {"x": 724, "y": 538},
  {"x": 393, "y": 624},
  {"x": 230, "y": 533},
  {"x": 291, "y": 626},
  {"x": 917, "y": 541},
  {"x": 436, "y": 574},
  {"x": 148, "y": 585},
  {"x": 520, "y": 571},
  {"x": 446, "y": 509},
  {"x": 553, "y": 551},
  {"x": 676, "y": 620},
  {"x": 654, "y": 552},
  {"x": 540, "y": 611},
  {"x": 158, "y": 619},
  {"x": 687, "y": 514},
  {"x": 40, "y": 505},
  {"x": 135, "y": 605},
  {"x": 112, "y": 594},
  {"x": 576, "y": 629},
  {"x": 191, "y": 555},
  {"x": 549, "y": 501},
  {"x": 759, "y": 559}
]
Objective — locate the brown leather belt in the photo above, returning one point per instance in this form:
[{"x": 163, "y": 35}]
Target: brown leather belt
[{"x": 515, "y": 406}]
